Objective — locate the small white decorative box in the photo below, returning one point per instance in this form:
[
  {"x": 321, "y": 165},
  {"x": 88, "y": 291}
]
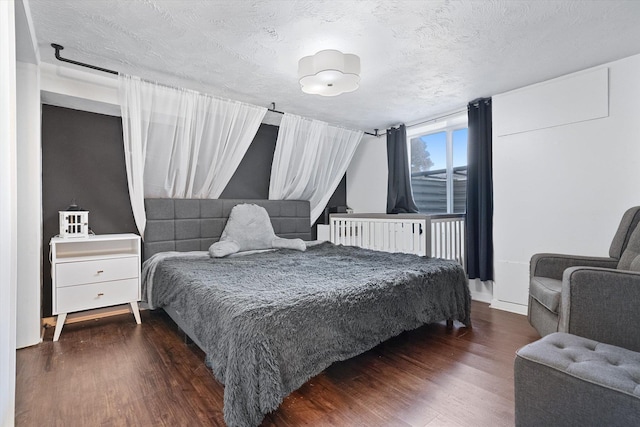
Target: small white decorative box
[{"x": 74, "y": 224}]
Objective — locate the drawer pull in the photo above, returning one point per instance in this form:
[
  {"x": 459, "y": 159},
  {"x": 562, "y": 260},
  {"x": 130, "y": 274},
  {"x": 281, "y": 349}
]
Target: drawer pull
[
  {"x": 100, "y": 294},
  {"x": 100, "y": 271}
]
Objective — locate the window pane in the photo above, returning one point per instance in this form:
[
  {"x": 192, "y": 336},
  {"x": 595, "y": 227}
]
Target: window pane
[
  {"x": 429, "y": 172},
  {"x": 459, "y": 170},
  {"x": 460, "y": 147}
]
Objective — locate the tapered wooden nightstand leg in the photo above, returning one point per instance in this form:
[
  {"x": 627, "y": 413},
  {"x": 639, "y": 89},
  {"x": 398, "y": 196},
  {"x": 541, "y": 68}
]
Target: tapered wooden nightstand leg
[
  {"x": 136, "y": 311},
  {"x": 59, "y": 324}
]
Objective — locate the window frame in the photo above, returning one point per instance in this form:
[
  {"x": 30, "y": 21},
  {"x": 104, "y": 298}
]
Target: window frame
[{"x": 449, "y": 126}]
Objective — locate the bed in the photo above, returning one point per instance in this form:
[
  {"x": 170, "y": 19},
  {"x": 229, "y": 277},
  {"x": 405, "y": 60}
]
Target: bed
[{"x": 269, "y": 321}]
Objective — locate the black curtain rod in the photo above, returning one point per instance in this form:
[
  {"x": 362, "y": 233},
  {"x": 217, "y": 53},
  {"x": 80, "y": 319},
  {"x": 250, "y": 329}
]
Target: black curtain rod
[
  {"x": 273, "y": 110},
  {"x": 58, "y": 48},
  {"x": 455, "y": 113}
]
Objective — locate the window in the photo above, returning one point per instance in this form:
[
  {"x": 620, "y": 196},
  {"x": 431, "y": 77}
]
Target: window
[{"x": 439, "y": 166}]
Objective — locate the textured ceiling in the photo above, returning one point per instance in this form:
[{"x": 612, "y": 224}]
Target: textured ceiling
[{"x": 419, "y": 59}]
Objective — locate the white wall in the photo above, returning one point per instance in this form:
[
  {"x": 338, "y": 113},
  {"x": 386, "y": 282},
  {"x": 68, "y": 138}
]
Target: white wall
[
  {"x": 8, "y": 240},
  {"x": 367, "y": 176},
  {"x": 563, "y": 188},
  {"x": 29, "y": 160},
  {"x": 561, "y": 181},
  {"x": 79, "y": 89}
]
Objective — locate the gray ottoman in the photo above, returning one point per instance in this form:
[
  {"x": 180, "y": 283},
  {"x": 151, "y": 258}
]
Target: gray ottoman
[{"x": 567, "y": 380}]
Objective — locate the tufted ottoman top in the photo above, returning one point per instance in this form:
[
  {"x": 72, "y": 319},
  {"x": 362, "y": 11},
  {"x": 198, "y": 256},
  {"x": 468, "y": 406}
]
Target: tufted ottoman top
[{"x": 606, "y": 365}]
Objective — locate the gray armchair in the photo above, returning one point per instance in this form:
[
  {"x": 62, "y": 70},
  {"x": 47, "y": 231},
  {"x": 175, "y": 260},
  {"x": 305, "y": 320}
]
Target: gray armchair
[
  {"x": 588, "y": 373},
  {"x": 595, "y": 297}
]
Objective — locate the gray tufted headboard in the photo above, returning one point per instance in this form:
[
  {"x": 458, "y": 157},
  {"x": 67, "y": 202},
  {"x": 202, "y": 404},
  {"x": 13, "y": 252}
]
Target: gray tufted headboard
[{"x": 194, "y": 224}]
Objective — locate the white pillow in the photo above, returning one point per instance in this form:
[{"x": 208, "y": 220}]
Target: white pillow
[
  {"x": 297, "y": 244},
  {"x": 249, "y": 228},
  {"x": 220, "y": 249}
]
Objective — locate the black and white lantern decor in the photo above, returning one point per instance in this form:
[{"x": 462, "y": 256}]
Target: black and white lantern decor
[{"x": 74, "y": 222}]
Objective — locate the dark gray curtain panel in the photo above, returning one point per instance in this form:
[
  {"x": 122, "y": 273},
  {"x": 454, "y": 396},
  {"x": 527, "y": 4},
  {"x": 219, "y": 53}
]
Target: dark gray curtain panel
[
  {"x": 479, "y": 220},
  {"x": 399, "y": 195}
]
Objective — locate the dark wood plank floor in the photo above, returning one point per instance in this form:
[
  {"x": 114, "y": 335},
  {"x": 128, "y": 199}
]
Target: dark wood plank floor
[{"x": 112, "y": 372}]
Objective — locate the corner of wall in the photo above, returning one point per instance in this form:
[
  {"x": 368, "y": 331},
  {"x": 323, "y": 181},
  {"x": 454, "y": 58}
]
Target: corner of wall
[
  {"x": 29, "y": 204},
  {"x": 481, "y": 291},
  {"x": 8, "y": 213}
]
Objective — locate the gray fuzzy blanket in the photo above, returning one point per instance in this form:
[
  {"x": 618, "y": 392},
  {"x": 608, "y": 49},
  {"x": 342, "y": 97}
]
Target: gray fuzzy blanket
[{"x": 270, "y": 321}]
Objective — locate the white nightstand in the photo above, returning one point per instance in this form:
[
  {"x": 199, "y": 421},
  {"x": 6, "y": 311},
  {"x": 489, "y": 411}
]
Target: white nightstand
[
  {"x": 324, "y": 232},
  {"x": 93, "y": 272}
]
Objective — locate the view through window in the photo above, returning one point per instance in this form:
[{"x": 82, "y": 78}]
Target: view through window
[{"x": 439, "y": 169}]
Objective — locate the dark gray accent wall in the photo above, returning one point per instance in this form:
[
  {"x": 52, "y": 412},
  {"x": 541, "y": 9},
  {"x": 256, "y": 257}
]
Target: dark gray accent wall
[
  {"x": 251, "y": 179},
  {"x": 83, "y": 159}
]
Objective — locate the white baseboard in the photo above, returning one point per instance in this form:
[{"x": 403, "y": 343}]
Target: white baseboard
[{"x": 509, "y": 306}]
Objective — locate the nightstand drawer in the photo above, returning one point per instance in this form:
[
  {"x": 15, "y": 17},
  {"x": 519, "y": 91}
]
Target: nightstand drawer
[
  {"x": 85, "y": 297},
  {"x": 78, "y": 273}
]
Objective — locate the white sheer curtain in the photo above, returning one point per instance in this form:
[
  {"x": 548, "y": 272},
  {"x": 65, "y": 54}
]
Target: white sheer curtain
[
  {"x": 310, "y": 159},
  {"x": 180, "y": 143}
]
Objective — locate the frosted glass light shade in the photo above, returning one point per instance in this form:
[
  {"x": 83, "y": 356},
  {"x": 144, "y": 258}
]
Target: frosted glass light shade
[{"x": 329, "y": 73}]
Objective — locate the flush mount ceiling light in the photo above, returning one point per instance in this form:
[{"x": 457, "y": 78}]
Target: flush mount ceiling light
[{"x": 329, "y": 73}]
